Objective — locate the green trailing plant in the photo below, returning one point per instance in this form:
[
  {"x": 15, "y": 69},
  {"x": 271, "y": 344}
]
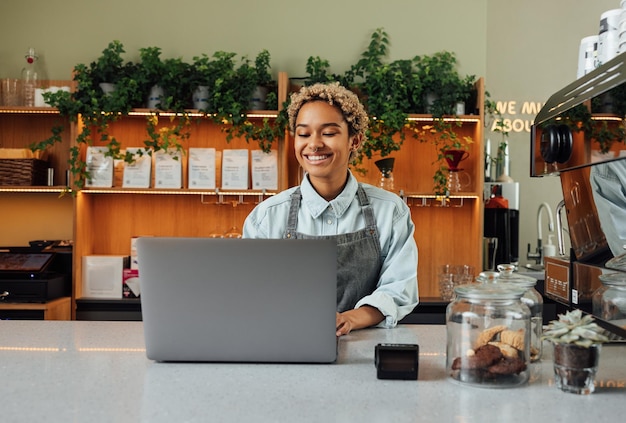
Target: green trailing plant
[
  {"x": 168, "y": 137},
  {"x": 574, "y": 328}
]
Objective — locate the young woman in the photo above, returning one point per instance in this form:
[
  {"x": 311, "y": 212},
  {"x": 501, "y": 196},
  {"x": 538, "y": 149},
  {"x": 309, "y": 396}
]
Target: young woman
[{"x": 377, "y": 254}]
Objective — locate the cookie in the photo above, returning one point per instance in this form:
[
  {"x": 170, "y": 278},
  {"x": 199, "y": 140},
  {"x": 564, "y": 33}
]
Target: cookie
[
  {"x": 482, "y": 358},
  {"x": 488, "y": 335},
  {"x": 514, "y": 338},
  {"x": 506, "y": 349},
  {"x": 507, "y": 366}
]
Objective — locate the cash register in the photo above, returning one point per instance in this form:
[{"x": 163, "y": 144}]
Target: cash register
[{"x": 35, "y": 274}]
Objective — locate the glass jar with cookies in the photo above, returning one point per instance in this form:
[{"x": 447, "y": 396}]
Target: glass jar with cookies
[{"x": 488, "y": 336}]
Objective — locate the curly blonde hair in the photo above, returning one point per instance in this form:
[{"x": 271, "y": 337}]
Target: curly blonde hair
[{"x": 336, "y": 95}]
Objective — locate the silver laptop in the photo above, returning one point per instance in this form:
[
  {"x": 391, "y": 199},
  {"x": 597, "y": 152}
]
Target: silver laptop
[{"x": 238, "y": 300}]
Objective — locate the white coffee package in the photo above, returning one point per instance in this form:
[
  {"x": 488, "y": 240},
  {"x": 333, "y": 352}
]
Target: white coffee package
[
  {"x": 137, "y": 174},
  {"x": 264, "y": 169},
  {"x": 102, "y": 276},
  {"x": 235, "y": 169},
  {"x": 202, "y": 168},
  {"x": 100, "y": 167},
  {"x": 168, "y": 169}
]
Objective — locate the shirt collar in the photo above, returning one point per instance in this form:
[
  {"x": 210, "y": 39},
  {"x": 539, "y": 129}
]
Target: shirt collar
[{"x": 317, "y": 205}]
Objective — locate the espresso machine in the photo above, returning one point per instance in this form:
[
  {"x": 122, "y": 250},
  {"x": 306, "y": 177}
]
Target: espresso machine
[{"x": 579, "y": 135}]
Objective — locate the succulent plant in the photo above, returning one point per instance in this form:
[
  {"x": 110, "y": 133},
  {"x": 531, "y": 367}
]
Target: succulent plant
[{"x": 574, "y": 328}]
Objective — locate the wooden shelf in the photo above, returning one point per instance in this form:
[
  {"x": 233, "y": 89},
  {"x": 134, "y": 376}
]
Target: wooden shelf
[{"x": 58, "y": 309}]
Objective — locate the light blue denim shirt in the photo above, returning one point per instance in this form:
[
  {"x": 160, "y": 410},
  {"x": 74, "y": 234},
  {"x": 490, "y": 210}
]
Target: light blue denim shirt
[
  {"x": 396, "y": 294},
  {"x": 608, "y": 183}
]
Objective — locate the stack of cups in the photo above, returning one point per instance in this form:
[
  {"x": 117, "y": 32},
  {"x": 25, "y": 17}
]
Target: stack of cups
[
  {"x": 621, "y": 38},
  {"x": 10, "y": 90},
  {"x": 452, "y": 275},
  {"x": 587, "y": 55},
  {"x": 608, "y": 37}
]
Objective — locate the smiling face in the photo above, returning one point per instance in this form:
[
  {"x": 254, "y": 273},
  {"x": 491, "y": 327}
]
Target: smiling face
[{"x": 323, "y": 146}]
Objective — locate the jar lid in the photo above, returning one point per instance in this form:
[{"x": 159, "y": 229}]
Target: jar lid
[
  {"x": 616, "y": 278},
  {"x": 507, "y": 275},
  {"x": 490, "y": 291},
  {"x": 488, "y": 277}
]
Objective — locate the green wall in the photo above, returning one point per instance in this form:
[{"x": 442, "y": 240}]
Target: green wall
[
  {"x": 291, "y": 30},
  {"x": 525, "y": 49}
]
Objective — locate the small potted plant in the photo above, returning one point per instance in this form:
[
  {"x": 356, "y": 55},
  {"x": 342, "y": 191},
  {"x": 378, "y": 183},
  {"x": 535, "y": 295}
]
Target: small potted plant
[
  {"x": 107, "y": 70},
  {"x": 202, "y": 79},
  {"x": 265, "y": 85},
  {"x": 577, "y": 341},
  {"x": 443, "y": 86},
  {"x": 149, "y": 72}
]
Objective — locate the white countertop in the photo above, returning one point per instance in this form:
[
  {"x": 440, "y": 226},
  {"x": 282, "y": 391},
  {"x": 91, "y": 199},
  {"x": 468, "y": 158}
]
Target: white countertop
[{"x": 97, "y": 372}]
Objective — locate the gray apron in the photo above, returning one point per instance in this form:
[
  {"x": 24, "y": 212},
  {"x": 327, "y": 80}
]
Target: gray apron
[{"x": 358, "y": 253}]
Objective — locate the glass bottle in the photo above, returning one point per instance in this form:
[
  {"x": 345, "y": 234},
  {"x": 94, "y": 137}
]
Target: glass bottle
[
  {"x": 488, "y": 336},
  {"x": 30, "y": 78},
  {"x": 609, "y": 300}
]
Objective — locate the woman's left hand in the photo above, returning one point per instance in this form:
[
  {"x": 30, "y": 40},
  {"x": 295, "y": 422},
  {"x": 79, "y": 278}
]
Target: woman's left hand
[{"x": 359, "y": 318}]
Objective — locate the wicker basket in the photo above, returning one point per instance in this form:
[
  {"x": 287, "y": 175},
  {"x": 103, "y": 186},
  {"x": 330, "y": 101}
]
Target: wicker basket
[{"x": 23, "y": 172}]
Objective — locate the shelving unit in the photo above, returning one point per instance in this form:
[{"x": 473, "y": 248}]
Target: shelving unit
[
  {"x": 104, "y": 220},
  {"x": 39, "y": 205},
  {"x": 48, "y": 216}
]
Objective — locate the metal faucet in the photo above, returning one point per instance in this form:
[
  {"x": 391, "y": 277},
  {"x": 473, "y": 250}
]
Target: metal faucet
[
  {"x": 559, "y": 227},
  {"x": 538, "y": 254}
]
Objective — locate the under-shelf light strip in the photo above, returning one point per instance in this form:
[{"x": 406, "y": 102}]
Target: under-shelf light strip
[
  {"x": 173, "y": 192},
  {"x": 446, "y": 119},
  {"x": 197, "y": 114},
  {"x": 36, "y": 189},
  {"x": 39, "y": 111}
]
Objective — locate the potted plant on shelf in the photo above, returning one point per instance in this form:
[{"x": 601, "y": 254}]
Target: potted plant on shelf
[
  {"x": 264, "y": 95},
  {"x": 107, "y": 70},
  {"x": 577, "y": 341},
  {"x": 149, "y": 74},
  {"x": 202, "y": 78},
  {"x": 444, "y": 87},
  {"x": 230, "y": 99}
]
